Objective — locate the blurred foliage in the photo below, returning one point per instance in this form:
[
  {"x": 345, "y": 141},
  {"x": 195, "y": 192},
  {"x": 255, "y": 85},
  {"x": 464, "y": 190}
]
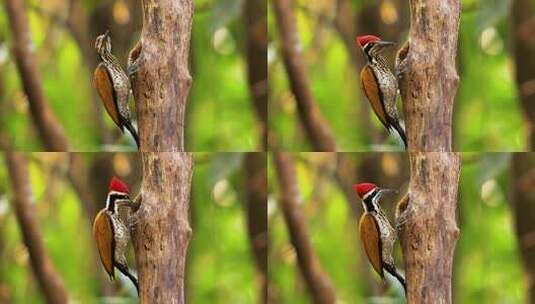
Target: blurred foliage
[
  {"x": 487, "y": 265},
  {"x": 220, "y": 266},
  {"x": 487, "y": 116},
  {"x": 219, "y": 110}
]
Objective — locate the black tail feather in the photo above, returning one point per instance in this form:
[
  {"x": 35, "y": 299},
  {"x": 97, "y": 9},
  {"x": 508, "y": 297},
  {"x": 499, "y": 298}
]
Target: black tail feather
[
  {"x": 392, "y": 270},
  {"x": 126, "y": 272},
  {"x": 401, "y": 132},
  {"x": 132, "y": 131}
]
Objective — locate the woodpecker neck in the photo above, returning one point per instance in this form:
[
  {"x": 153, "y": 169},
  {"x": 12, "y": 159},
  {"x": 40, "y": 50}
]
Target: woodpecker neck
[
  {"x": 374, "y": 55},
  {"x": 114, "y": 196},
  {"x": 369, "y": 203},
  {"x": 108, "y": 58}
]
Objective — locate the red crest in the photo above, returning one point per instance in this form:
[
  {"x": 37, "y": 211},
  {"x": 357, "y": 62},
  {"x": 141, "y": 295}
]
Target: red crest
[
  {"x": 363, "y": 40},
  {"x": 118, "y": 185},
  {"x": 363, "y": 188}
]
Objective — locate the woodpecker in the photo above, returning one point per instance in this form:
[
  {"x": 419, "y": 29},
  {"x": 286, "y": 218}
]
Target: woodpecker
[
  {"x": 110, "y": 232},
  {"x": 113, "y": 86},
  {"x": 379, "y": 84},
  {"x": 376, "y": 232}
]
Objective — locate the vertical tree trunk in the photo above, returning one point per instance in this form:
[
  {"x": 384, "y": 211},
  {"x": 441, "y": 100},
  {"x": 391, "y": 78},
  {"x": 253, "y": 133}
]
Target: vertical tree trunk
[
  {"x": 319, "y": 285},
  {"x": 162, "y": 83},
  {"x": 255, "y": 179},
  {"x": 522, "y": 24},
  {"x": 49, "y": 280},
  {"x": 162, "y": 232},
  {"x": 430, "y": 82},
  {"x": 255, "y": 17},
  {"x": 429, "y": 237},
  {"x": 523, "y": 206}
]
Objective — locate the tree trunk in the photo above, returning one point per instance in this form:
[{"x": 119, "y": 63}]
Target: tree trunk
[
  {"x": 319, "y": 285},
  {"x": 162, "y": 83},
  {"x": 162, "y": 232},
  {"x": 523, "y": 22},
  {"x": 523, "y": 206},
  {"x": 255, "y": 179},
  {"x": 429, "y": 236},
  {"x": 430, "y": 81},
  {"x": 49, "y": 280}
]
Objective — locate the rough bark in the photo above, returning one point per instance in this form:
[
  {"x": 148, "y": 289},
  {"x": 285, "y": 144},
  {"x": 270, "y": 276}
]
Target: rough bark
[
  {"x": 318, "y": 283},
  {"x": 255, "y": 17},
  {"x": 523, "y": 23},
  {"x": 49, "y": 129},
  {"x": 313, "y": 122},
  {"x": 50, "y": 282},
  {"x": 523, "y": 206},
  {"x": 255, "y": 179},
  {"x": 430, "y": 81},
  {"x": 163, "y": 81},
  {"x": 430, "y": 234},
  {"x": 162, "y": 231}
]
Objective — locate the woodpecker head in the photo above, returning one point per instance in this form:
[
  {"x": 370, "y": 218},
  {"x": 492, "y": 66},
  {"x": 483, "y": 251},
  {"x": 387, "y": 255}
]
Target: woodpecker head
[
  {"x": 365, "y": 190},
  {"x": 103, "y": 43},
  {"x": 372, "y": 45},
  {"x": 369, "y": 194},
  {"x": 117, "y": 190}
]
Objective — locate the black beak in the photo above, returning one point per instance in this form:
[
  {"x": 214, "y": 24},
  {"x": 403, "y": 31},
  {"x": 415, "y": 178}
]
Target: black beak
[
  {"x": 385, "y": 43},
  {"x": 386, "y": 191}
]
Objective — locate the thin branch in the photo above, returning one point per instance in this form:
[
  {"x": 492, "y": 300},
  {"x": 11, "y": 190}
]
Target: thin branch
[
  {"x": 318, "y": 282},
  {"x": 255, "y": 15},
  {"x": 315, "y": 125},
  {"x": 523, "y": 33},
  {"x": 50, "y": 282},
  {"x": 51, "y": 132},
  {"x": 523, "y": 206},
  {"x": 255, "y": 180}
]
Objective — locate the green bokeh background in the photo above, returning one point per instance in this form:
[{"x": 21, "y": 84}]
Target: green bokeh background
[
  {"x": 219, "y": 115},
  {"x": 220, "y": 267},
  {"x": 487, "y": 264},
  {"x": 487, "y": 116}
]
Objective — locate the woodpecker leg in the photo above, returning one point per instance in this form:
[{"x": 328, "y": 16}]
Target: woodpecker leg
[{"x": 403, "y": 217}]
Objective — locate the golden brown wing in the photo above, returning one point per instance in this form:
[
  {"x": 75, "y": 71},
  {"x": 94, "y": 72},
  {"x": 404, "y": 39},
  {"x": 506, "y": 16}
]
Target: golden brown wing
[
  {"x": 371, "y": 90},
  {"x": 104, "y": 86},
  {"x": 369, "y": 235},
  {"x": 103, "y": 233}
]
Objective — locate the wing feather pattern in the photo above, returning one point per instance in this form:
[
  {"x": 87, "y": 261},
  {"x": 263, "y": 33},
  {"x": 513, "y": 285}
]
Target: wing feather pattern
[
  {"x": 369, "y": 235},
  {"x": 371, "y": 90},
  {"x": 103, "y": 233},
  {"x": 104, "y": 86}
]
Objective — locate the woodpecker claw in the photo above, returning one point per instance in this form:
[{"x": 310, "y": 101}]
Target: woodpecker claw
[{"x": 402, "y": 219}]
